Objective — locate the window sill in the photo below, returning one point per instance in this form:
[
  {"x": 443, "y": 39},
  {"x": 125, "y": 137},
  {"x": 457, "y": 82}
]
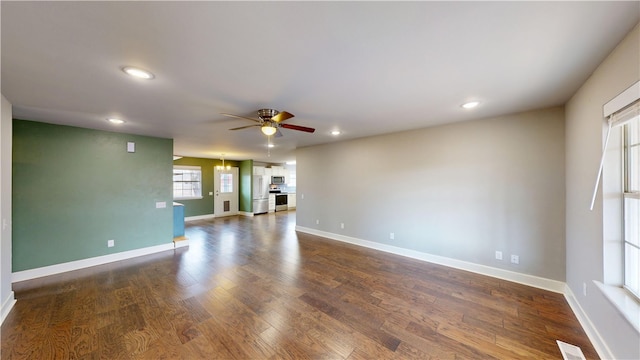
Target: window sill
[
  {"x": 188, "y": 198},
  {"x": 626, "y": 304}
]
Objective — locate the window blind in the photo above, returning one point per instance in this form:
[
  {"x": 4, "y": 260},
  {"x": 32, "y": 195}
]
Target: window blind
[{"x": 621, "y": 110}]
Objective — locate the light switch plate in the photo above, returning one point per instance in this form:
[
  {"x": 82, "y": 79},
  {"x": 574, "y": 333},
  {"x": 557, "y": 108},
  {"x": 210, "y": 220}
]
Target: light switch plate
[
  {"x": 131, "y": 146},
  {"x": 161, "y": 204}
]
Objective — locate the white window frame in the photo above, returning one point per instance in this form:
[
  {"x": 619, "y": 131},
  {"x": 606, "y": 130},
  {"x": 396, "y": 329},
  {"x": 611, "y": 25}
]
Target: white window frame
[
  {"x": 629, "y": 193},
  {"x": 198, "y": 182}
]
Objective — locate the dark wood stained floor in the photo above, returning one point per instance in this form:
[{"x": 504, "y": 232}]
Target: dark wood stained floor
[{"x": 253, "y": 288}]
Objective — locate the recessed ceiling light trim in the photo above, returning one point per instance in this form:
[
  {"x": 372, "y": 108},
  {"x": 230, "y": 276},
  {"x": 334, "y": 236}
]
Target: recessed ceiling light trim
[
  {"x": 336, "y": 132},
  {"x": 470, "y": 104},
  {"x": 138, "y": 73},
  {"x": 115, "y": 121}
]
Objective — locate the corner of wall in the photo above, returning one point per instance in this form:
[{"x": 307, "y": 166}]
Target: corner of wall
[
  {"x": 6, "y": 141},
  {"x": 592, "y": 332}
]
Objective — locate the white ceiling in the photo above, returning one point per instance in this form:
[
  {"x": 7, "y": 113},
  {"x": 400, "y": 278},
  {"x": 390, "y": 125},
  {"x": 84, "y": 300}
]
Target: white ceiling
[{"x": 365, "y": 68}]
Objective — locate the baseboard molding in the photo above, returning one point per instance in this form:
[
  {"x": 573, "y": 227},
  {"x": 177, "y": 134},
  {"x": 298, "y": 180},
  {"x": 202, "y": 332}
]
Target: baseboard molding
[
  {"x": 199, "y": 217},
  {"x": 85, "y": 263},
  {"x": 592, "y": 333},
  {"x": 546, "y": 284},
  {"x": 245, "y": 213},
  {"x": 525, "y": 279},
  {"x": 7, "y": 305}
]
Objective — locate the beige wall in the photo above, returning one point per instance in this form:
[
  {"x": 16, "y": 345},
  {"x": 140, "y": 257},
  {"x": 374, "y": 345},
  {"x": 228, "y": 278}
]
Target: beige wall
[
  {"x": 586, "y": 245},
  {"x": 6, "y": 294},
  {"x": 460, "y": 191}
]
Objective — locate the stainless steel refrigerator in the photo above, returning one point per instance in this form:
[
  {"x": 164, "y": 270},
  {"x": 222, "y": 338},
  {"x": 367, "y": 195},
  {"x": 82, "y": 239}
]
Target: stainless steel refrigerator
[{"x": 260, "y": 194}]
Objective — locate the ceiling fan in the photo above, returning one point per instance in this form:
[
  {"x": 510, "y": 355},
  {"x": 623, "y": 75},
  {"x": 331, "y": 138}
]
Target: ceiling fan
[{"x": 270, "y": 122}]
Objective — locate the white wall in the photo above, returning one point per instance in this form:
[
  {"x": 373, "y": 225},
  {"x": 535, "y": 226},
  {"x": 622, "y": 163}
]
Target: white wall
[
  {"x": 460, "y": 191},
  {"x": 586, "y": 245},
  {"x": 6, "y": 294}
]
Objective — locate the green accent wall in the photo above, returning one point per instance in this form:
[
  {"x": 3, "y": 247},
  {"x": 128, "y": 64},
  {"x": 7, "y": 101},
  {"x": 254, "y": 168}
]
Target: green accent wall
[
  {"x": 76, "y": 188},
  {"x": 246, "y": 187},
  {"x": 204, "y": 206}
]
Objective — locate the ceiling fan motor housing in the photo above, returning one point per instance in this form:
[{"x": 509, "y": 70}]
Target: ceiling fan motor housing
[{"x": 267, "y": 114}]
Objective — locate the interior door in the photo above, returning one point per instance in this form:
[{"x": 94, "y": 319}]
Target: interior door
[{"x": 225, "y": 184}]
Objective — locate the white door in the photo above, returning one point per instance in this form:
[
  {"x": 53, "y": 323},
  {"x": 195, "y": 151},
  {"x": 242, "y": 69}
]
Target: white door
[{"x": 225, "y": 185}]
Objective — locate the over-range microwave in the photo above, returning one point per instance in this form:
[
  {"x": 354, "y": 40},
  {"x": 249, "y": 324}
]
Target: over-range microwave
[{"x": 277, "y": 180}]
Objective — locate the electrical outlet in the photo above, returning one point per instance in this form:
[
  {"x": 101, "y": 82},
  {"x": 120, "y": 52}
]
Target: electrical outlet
[
  {"x": 392, "y": 236},
  {"x": 302, "y": 196},
  {"x": 498, "y": 255},
  {"x": 317, "y": 221},
  {"x": 341, "y": 225},
  {"x": 515, "y": 259},
  {"x": 111, "y": 243},
  {"x": 584, "y": 288}
]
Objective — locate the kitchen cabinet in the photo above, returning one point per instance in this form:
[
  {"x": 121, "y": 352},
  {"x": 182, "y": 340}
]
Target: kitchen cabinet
[
  {"x": 277, "y": 171},
  {"x": 258, "y": 170},
  {"x": 268, "y": 172},
  {"x": 291, "y": 200},
  {"x": 272, "y": 202}
]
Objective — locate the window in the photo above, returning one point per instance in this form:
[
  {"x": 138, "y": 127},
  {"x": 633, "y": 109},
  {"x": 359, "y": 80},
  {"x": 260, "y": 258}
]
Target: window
[
  {"x": 226, "y": 183},
  {"x": 631, "y": 176},
  {"x": 187, "y": 182},
  {"x": 292, "y": 179}
]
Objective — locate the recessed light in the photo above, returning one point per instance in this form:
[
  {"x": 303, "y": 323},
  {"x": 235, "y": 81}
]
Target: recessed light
[
  {"x": 115, "y": 121},
  {"x": 335, "y": 132},
  {"x": 270, "y": 145},
  {"x": 137, "y": 72},
  {"x": 470, "y": 104}
]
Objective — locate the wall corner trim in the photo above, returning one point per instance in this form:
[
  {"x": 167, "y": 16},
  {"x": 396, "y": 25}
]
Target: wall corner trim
[
  {"x": 592, "y": 333},
  {"x": 85, "y": 263},
  {"x": 525, "y": 279},
  {"x": 7, "y": 305}
]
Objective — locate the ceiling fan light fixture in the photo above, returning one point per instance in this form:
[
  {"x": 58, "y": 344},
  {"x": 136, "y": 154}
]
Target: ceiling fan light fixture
[{"x": 268, "y": 129}]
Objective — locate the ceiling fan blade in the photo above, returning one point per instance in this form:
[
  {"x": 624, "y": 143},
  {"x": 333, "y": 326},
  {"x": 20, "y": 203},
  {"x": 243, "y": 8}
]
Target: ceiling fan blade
[
  {"x": 278, "y": 133},
  {"x": 298, "y": 127},
  {"x": 282, "y": 116},
  {"x": 244, "y": 127},
  {"x": 241, "y": 117}
]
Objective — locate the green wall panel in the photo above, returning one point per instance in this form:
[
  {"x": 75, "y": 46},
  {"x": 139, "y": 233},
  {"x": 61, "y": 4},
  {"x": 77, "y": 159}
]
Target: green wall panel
[
  {"x": 246, "y": 187},
  {"x": 75, "y": 188},
  {"x": 202, "y": 206}
]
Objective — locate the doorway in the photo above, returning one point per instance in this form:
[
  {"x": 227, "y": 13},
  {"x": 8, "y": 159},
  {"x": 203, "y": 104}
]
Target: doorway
[{"x": 225, "y": 186}]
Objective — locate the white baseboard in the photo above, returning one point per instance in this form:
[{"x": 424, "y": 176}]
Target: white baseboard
[
  {"x": 85, "y": 263},
  {"x": 7, "y": 305},
  {"x": 546, "y": 284},
  {"x": 245, "y": 213},
  {"x": 525, "y": 279},
  {"x": 181, "y": 243},
  {"x": 592, "y": 333},
  {"x": 199, "y": 217}
]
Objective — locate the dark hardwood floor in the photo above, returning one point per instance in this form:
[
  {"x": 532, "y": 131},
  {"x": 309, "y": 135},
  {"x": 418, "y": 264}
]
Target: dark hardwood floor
[{"x": 253, "y": 288}]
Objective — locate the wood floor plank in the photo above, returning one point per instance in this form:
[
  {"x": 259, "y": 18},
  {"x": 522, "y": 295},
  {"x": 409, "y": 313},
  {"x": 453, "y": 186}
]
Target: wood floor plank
[{"x": 253, "y": 288}]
